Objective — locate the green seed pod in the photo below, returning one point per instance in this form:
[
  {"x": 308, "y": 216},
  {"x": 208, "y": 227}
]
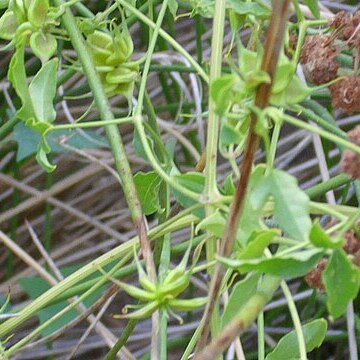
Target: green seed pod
[
  {"x": 121, "y": 75},
  {"x": 187, "y": 304},
  {"x": 43, "y": 45},
  {"x": 122, "y": 48},
  {"x": 142, "y": 313},
  {"x": 37, "y": 12},
  {"x": 100, "y": 47},
  {"x": 100, "y": 40},
  {"x": 136, "y": 292},
  {"x": 8, "y": 25},
  {"x": 174, "y": 283}
]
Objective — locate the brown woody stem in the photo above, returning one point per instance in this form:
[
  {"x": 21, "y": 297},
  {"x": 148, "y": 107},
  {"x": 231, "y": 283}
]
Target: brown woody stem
[{"x": 273, "y": 45}]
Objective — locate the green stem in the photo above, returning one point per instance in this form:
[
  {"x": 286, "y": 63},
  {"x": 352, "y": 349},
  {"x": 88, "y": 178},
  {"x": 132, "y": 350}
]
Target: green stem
[
  {"x": 6, "y": 128},
  {"x": 125, "y": 333},
  {"x": 273, "y": 146},
  {"x": 261, "y": 332},
  {"x": 112, "y": 131},
  {"x": 211, "y": 191},
  {"x": 90, "y": 124},
  {"x": 324, "y": 187},
  {"x": 296, "y": 320},
  {"x": 336, "y": 139}
]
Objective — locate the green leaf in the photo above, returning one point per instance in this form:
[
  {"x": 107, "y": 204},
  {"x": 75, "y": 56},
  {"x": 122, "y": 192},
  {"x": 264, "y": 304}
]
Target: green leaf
[
  {"x": 43, "y": 90},
  {"x": 8, "y": 25},
  {"x": 341, "y": 280},
  {"x": 314, "y": 7},
  {"x": 286, "y": 266},
  {"x": 43, "y": 45},
  {"x": 230, "y": 135},
  {"x": 249, "y": 8},
  {"x": 43, "y": 150},
  {"x": 17, "y": 76},
  {"x": 214, "y": 224},
  {"x": 291, "y": 209},
  {"x": 295, "y": 92},
  {"x": 193, "y": 181},
  {"x": 249, "y": 61},
  {"x": 240, "y": 294},
  {"x": 288, "y": 347},
  {"x": 229, "y": 187},
  {"x": 257, "y": 243},
  {"x": 173, "y": 6},
  {"x": 147, "y": 186},
  {"x": 283, "y": 76},
  {"x": 221, "y": 91},
  {"x": 321, "y": 239},
  {"x": 28, "y": 140}
]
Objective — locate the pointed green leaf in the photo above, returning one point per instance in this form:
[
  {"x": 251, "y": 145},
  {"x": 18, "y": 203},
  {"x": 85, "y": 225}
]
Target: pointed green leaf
[
  {"x": 17, "y": 77},
  {"x": 240, "y": 294},
  {"x": 321, "y": 239},
  {"x": 257, "y": 243},
  {"x": 43, "y": 90},
  {"x": 288, "y": 347},
  {"x": 193, "y": 181},
  {"x": 286, "y": 266},
  {"x": 291, "y": 207},
  {"x": 147, "y": 186},
  {"x": 342, "y": 280}
]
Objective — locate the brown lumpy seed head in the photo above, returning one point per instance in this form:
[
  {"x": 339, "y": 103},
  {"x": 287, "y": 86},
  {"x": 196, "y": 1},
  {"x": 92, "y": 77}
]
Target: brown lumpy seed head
[
  {"x": 339, "y": 20},
  {"x": 318, "y": 59},
  {"x": 350, "y": 164},
  {"x": 350, "y": 30},
  {"x": 352, "y": 245},
  {"x": 313, "y": 278},
  {"x": 350, "y": 161},
  {"x": 354, "y": 135},
  {"x": 345, "y": 94}
]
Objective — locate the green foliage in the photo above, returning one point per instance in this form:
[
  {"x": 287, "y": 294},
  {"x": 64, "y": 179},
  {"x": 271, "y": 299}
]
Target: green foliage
[
  {"x": 148, "y": 186},
  {"x": 275, "y": 238},
  {"x": 314, "y": 7},
  {"x": 37, "y": 109},
  {"x": 342, "y": 281},
  {"x": 286, "y": 266},
  {"x": 291, "y": 205},
  {"x": 288, "y": 348},
  {"x": 28, "y": 140},
  {"x": 241, "y": 292},
  {"x": 321, "y": 239},
  {"x": 192, "y": 181}
]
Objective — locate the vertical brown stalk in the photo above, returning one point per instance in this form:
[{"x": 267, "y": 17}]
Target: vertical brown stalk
[{"x": 273, "y": 45}]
